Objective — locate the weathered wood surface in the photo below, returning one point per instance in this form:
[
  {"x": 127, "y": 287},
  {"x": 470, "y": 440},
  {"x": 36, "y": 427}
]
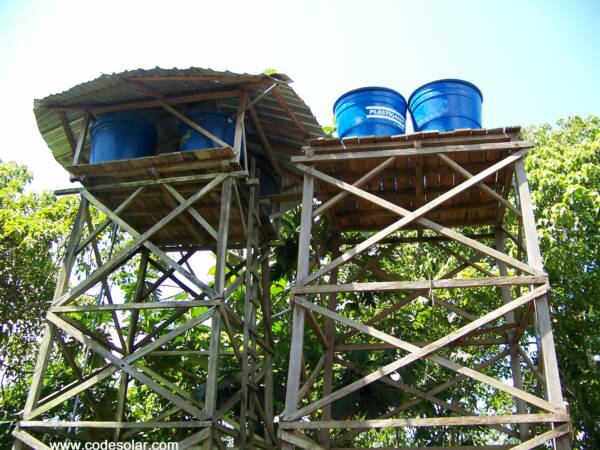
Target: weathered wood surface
[
  {"x": 419, "y": 285},
  {"x": 429, "y": 422}
]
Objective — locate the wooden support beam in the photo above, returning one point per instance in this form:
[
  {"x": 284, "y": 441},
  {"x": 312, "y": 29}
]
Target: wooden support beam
[
  {"x": 465, "y": 173},
  {"x": 97, "y": 108},
  {"x": 417, "y": 393},
  {"x": 264, "y": 140},
  {"x": 464, "y": 342},
  {"x": 154, "y": 182},
  {"x": 70, "y": 360},
  {"x": 413, "y": 151},
  {"x": 361, "y": 181},
  {"x": 279, "y": 98},
  {"x": 93, "y": 234},
  {"x": 410, "y": 297},
  {"x": 542, "y": 309},
  {"x": 68, "y": 132},
  {"x": 466, "y": 260},
  {"x": 111, "y": 424},
  {"x": 298, "y": 312},
  {"x": 81, "y": 139},
  {"x": 419, "y": 285},
  {"x": 134, "y": 306},
  {"x": 298, "y": 439},
  {"x": 561, "y": 432},
  {"x": 212, "y": 380},
  {"x": 411, "y": 403},
  {"x": 139, "y": 86},
  {"x": 428, "y": 422},
  {"x": 192, "y": 211},
  {"x": 240, "y": 132},
  {"x": 310, "y": 380},
  {"x": 131, "y": 335},
  {"x": 515, "y": 362},
  {"x": 105, "y": 285},
  {"x": 28, "y": 439}
]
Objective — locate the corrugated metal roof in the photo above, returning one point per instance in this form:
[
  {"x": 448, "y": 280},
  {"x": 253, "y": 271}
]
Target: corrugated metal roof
[{"x": 284, "y": 135}]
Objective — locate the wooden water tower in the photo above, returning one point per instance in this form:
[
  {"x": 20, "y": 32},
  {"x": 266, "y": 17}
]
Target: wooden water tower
[
  {"x": 458, "y": 194},
  {"x": 196, "y": 354}
]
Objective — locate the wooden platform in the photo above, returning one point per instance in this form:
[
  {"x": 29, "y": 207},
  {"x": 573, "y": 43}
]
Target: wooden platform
[
  {"x": 188, "y": 172},
  {"x": 417, "y": 176},
  {"x": 219, "y": 159}
]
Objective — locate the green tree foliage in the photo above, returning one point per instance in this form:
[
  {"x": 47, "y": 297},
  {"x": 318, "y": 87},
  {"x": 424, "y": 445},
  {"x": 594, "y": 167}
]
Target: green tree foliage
[
  {"x": 33, "y": 228},
  {"x": 564, "y": 175}
]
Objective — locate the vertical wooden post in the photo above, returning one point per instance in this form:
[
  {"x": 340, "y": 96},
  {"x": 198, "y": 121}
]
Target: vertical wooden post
[
  {"x": 249, "y": 314},
  {"x": 239, "y": 126},
  {"x": 514, "y": 346},
  {"x": 542, "y": 310},
  {"x": 269, "y": 394},
  {"x": 81, "y": 138},
  {"x": 133, "y": 322},
  {"x": 325, "y": 438},
  {"x": 215, "y": 332},
  {"x": 295, "y": 363},
  {"x": 62, "y": 286}
]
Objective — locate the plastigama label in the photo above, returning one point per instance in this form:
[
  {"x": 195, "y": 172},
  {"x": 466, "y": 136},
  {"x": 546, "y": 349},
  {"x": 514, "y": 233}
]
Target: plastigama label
[{"x": 383, "y": 112}]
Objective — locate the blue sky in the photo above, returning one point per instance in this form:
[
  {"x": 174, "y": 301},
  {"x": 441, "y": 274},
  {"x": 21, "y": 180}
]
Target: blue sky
[{"x": 534, "y": 61}]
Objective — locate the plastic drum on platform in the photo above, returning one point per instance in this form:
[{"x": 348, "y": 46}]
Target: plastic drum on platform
[
  {"x": 118, "y": 136},
  {"x": 216, "y": 122},
  {"x": 370, "y": 111},
  {"x": 446, "y": 105}
]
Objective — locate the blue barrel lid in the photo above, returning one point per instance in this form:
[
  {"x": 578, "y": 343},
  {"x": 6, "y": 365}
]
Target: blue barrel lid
[
  {"x": 453, "y": 80},
  {"x": 367, "y": 88}
]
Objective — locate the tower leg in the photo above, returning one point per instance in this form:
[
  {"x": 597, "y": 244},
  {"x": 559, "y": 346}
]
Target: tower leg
[
  {"x": 542, "y": 310},
  {"x": 298, "y": 312},
  {"x": 210, "y": 404}
]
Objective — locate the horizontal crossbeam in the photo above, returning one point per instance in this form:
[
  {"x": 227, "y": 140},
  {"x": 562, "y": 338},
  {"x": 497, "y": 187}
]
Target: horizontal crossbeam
[
  {"x": 108, "y": 424},
  {"x": 419, "y": 284},
  {"x": 414, "y": 151},
  {"x": 134, "y": 306},
  {"x": 428, "y": 421}
]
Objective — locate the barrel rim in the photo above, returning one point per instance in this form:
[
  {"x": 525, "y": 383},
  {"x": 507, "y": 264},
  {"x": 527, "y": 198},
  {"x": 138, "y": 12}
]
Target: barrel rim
[
  {"x": 106, "y": 120},
  {"x": 366, "y": 88},
  {"x": 442, "y": 80}
]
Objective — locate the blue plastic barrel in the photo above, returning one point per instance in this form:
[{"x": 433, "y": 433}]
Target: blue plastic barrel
[
  {"x": 122, "y": 136},
  {"x": 446, "y": 105},
  {"x": 267, "y": 183},
  {"x": 370, "y": 111},
  {"x": 212, "y": 120}
]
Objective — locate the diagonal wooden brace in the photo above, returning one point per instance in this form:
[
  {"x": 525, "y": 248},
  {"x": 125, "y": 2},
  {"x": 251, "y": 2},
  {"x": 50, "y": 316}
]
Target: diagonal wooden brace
[
  {"x": 142, "y": 239},
  {"x": 416, "y": 215},
  {"x": 425, "y": 352},
  {"x": 89, "y": 382},
  {"x": 125, "y": 364}
]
